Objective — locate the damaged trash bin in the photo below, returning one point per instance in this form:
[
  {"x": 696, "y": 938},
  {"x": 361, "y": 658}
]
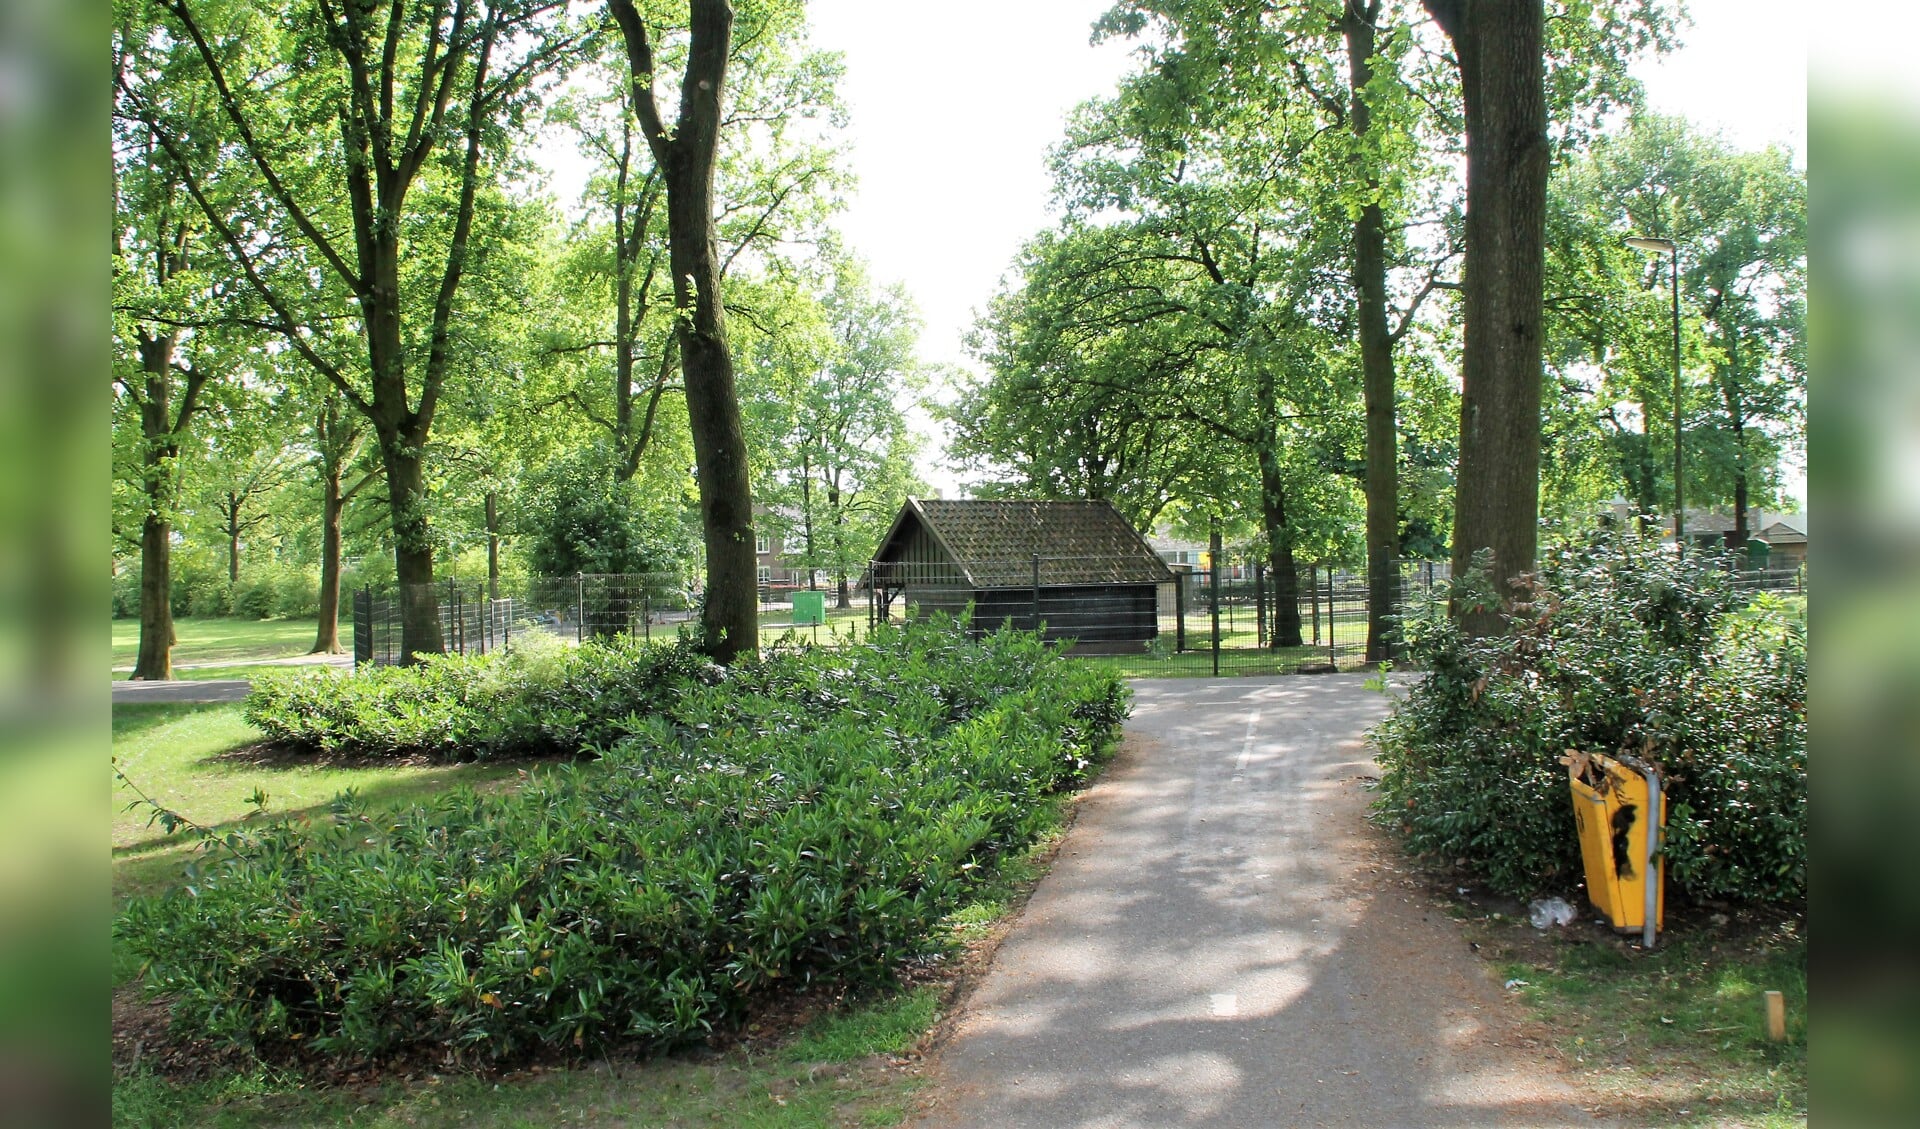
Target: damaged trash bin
[{"x": 1626, "y": 877}]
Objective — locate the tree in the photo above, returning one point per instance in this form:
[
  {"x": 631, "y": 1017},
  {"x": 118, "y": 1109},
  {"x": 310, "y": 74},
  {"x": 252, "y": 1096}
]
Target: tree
[
  {"x": 375, "y": 118},
  {"x": 1502, "y": 58},
  {"x": 242, "y": 468},
  {"x": 159, "y": 275},
  {"x": 773, "y": 179},
  {"x": 338, "y": 454},
  {"x": 685, "y": 153},
  {"x": 831, "y": 395},
  {"x": 1739, "y": 220}
]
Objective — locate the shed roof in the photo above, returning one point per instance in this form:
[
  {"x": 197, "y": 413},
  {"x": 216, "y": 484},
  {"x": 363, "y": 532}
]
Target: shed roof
[{"x": 994, "y": 542}]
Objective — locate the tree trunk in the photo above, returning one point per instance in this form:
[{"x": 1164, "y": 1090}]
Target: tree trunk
[
  {"x": 1737, "y": 418},
  {"x": 326, "y": 640},
  {"x": 155, "y": 660},
  {"x": 155, "y": 657},
  {"x": 412, "y": 548},
  {"x": 493, "y": 545},
  {"x": 1497, "y": 491},
  {"x": 685, "y": 154},
  {"x": 1286, "y": 581},
  {"x": 843, "y": 594},
  {"x": 232, "y": 511},
  {"x": 1376, "y": 352}
]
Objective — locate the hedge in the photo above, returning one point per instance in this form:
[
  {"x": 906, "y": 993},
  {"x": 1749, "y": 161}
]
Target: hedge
[
  {"x": 1617, "y": 648},
  {"x": 814, "y": 815}
]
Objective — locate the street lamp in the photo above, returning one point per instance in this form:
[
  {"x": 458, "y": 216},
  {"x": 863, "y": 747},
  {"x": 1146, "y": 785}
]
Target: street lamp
[{"x": 1670, "y": 249}]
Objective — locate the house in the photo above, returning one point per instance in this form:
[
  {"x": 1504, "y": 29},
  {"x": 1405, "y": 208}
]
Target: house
[
  {"x": 781, "y": 568},
  {"x": 1077, "y": 567},
  {"x": 1785, "y": 535},
  {"x": 1786, "y": 539}
]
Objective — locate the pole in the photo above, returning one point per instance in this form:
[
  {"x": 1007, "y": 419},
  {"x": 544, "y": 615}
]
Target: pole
[
  {"x": 1651, "y": 875},
  {"x": 1332, "y": 658},
  {"x": 1036, "y": 591},
  {"x": 1259, "y": 606},
  {"x": 579, "y": 607},
  {"x": 1213, "y": 583},
  {"x": 1679, "y": 506},
  {"x": 1180, "y": 611}
]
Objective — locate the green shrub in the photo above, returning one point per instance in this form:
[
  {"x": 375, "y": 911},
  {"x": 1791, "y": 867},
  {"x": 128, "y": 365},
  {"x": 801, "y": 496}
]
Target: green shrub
[
  {"x": 811, "y": 816},
  {"x": 533, "y": 700},
  {"x": 1618, "y": 649}
]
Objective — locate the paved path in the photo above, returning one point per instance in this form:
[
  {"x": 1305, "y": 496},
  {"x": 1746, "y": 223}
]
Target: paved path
[
  {"x": 211, "y": 690},
  {"x": 1224, "y": 941},
  {"x": 127, "y": 691}
]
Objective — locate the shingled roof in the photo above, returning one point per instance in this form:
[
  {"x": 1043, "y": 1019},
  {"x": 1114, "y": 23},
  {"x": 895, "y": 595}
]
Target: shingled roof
[{"x": 994, "y": 542}]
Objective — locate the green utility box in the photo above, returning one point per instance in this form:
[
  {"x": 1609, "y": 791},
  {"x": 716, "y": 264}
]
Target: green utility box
[{"x": 809, "y": 607}]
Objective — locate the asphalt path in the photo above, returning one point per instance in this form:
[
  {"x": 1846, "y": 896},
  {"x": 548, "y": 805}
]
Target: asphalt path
[
  {"x": 1225, "y": 941},
  {"x": 127, "y": 692}
]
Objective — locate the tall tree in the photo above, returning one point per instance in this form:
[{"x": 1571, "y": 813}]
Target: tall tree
[
  {"x": 339, "y": 461},
  {"x": 685, "y": 152},
  {"x": 1500, "y": 49},
  {"x": 774, "y": 178},
  {"x": 379, "y": 119},
  {"x": 833, "y": 399},
  {"x": 1739, "y": 221},
  {"x": 159, "y": 276},
  {"x": 1354, "y": 64}
]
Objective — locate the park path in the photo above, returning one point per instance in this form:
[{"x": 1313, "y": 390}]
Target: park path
[
  {"x": 1224, "y": 941},
  {"x": 126, "y": 691}
]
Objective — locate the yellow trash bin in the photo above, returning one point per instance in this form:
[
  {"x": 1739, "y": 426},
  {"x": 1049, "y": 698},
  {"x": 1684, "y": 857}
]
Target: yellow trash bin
[{"x": 1610, "y": 800}]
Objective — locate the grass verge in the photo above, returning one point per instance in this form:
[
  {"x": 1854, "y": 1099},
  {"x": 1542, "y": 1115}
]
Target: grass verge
[
  {"x": 833, "y": 1074},
  {"x": 219, "y": 639},
  {"x": 1677, "y": 1034},
  {"x": 202, "y": 761}
]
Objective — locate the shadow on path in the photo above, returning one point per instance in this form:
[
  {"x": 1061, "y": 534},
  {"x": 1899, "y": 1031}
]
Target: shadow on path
[{"x": 1225, "y": 941}]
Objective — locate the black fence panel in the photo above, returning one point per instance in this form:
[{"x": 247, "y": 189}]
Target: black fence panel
[{"x": 1230, "y": 621}]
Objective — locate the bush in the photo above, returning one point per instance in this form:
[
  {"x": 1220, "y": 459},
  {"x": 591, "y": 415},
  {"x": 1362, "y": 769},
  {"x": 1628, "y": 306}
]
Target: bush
[
  {"x": 811, "y": 816},
  {"x": 532, "y": 700},
  {"x": 1617, "y": 649}
]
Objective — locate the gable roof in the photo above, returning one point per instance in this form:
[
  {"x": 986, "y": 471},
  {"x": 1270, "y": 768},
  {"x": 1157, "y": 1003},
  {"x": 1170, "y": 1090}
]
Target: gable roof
[{"x": 994, "y": 541}]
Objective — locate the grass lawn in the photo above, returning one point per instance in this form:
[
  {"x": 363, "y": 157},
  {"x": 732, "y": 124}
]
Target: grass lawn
[
  {"x": 832, "y": 1074},
  {"x": 1240, "y": 658},
  {"x": 197, "y": 760},
  {"x": 218, "y": 639},
  {"x": 1678, "y": 1033}
]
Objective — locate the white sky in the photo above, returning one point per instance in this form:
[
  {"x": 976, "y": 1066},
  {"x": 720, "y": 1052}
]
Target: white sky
[{"x": 952, "y": 110}]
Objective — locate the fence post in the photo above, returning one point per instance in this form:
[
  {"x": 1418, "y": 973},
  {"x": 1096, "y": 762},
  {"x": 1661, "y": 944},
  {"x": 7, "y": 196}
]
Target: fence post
[
  {"x": 579, "y": 607},
  {"x": 362, "y": 627},
  {"x": 1259, "y": 605},
  {"x": 1213, "y": 584},
  {"x": 1180, "y": 611},
  {"x": 1313, "y": 597},
  {"x": 1036, "y": 592},
  {"x": 1331, "y": 620},
  {"x": 646, "y": 615}
]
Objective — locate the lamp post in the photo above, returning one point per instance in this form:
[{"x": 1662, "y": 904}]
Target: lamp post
[{"x": 1670, "y": 249}]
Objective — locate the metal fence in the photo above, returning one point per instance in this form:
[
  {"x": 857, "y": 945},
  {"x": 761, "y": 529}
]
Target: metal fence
[
  {"x": 1236, "y": 619},
  {"x": 570, "y": 609},
  {"x": 1232, "y": 620}
]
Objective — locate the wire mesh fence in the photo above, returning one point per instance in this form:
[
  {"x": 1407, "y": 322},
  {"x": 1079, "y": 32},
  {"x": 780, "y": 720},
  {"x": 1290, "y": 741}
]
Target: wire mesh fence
[
  {"x": 473, "y": 620},
  {"x": 1239, "y": 618}
]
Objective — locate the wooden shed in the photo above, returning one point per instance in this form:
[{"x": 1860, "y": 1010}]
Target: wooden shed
[{"x": 1077, "y": 567}]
